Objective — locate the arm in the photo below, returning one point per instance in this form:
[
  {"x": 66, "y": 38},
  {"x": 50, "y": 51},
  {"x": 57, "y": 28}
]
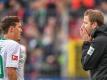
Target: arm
[
  {"x": 11, "y": 72},
  {"x": 93, "y": 54},
  {"x": 12, "y": 60}
]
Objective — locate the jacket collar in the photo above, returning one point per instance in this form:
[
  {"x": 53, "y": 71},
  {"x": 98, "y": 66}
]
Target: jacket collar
[{"x": 99, "y": 30}]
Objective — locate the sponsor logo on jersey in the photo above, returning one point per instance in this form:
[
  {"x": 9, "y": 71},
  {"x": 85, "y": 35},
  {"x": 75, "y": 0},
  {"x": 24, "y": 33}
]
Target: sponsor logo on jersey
[{"x": 14, "y": 57}]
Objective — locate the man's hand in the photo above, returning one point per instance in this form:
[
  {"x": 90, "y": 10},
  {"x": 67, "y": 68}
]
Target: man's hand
[{"x": 84, "y": 34}]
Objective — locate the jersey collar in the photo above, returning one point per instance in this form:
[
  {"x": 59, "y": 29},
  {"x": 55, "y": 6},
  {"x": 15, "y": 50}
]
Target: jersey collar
[{"x": 2, "y": 38}]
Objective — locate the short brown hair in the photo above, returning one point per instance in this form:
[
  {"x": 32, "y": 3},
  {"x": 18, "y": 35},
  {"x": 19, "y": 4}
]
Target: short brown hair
[
  {"x": 95, "y": 16},
  {"x": 8, "y": 21}
]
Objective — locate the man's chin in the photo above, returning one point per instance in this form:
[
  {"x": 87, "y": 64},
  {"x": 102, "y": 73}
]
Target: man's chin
[{"x": 18, "y": 40}]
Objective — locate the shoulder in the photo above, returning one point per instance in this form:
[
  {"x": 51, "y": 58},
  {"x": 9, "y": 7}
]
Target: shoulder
[
  {"x": 22, "y": 47},
  {"x": 102, "y": 39},
  {"x": 12, "y": 43}
]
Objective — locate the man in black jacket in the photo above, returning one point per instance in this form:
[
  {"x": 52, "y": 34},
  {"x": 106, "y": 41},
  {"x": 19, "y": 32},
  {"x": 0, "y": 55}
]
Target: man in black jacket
[{"x": 94, "y": 50}]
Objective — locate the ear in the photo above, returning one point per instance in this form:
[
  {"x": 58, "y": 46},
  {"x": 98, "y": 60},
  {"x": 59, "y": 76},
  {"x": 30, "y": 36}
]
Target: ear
[
  {"x": 11, "y": 29},
  {"x": 94, "y": 25}
]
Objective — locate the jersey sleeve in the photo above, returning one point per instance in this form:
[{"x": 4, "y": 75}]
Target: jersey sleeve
[
  {"x": 93, "y": 53},
  {"x": 13, "y": 54}
]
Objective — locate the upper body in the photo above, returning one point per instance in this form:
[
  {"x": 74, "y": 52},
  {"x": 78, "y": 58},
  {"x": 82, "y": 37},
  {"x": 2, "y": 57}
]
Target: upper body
[
  {"x": 94, "y": 54},
  {"x": 13, "y": 56},
  {"x": 11, "y": 28},
  {"x": 94, "y": 50}
]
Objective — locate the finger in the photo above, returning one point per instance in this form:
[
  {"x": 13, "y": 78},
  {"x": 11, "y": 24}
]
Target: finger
[
  {"x": 81, "y": 31},
  {"x": 82, "y": 26},
  {"x": 85, "y": 30}
]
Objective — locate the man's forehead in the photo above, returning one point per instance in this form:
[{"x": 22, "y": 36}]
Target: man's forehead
[
  {"x": 86, "y": 18},
  {"x": 19, "y": 24}
]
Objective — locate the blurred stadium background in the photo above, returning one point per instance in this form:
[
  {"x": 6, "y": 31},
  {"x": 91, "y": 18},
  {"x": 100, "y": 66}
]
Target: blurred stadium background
[{"x": 51, "y": 35}]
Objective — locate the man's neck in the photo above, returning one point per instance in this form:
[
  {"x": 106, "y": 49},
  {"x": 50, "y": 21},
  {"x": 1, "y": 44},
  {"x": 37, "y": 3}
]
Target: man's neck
[{"x": 6, "y": 36}]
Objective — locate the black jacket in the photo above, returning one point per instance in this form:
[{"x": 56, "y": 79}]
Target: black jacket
[{"x": 94, "y": 54}]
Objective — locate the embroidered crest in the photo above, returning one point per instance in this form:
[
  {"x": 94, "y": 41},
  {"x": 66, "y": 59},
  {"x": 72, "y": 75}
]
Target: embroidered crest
[{"x": 90, "y": 51}]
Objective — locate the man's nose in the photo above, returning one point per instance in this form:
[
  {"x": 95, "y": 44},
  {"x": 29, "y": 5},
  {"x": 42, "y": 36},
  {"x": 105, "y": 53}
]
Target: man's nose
[{"x": 20, "y": 29}]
